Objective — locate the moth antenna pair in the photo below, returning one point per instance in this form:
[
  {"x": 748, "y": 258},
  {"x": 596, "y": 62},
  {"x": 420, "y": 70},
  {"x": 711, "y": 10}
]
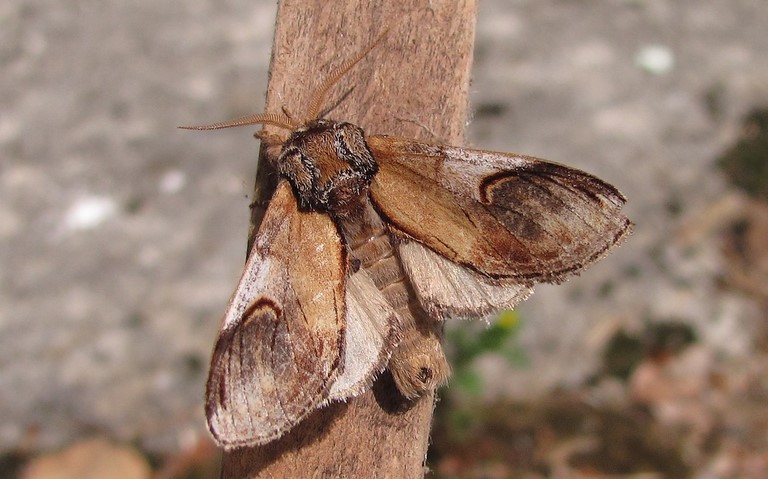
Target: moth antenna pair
[{"x": 284, "y": 119}]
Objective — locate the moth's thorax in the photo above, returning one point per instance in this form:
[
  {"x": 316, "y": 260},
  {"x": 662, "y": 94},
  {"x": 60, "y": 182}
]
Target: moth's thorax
[{"x": 328, "y": 164}]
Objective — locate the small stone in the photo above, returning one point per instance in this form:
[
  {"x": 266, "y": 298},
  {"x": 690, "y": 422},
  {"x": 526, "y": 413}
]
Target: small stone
[
  {"x": 89, "y": 459},
  {"x": 655, "y": 59}
]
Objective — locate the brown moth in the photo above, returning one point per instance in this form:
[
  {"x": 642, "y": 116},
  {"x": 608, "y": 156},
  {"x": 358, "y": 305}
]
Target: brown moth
[{"x": 368, "y": 242}]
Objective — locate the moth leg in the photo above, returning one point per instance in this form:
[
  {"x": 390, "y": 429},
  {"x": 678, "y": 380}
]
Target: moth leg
[
  {"x": 272, "y": 142},
  {"x": 434, "y": 137},
  {"x": 419, "y": 365}
]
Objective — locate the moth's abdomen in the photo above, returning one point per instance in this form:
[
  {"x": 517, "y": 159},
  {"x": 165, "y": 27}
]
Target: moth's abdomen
[
  {"x": 418, "y": 364},
  {"x": 377, "y": 257}
]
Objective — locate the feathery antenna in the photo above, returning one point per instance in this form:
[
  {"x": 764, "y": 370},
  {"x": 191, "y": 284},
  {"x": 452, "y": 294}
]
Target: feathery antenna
[
  {"x": 319, "y": 97},
  {"x": 282, "y": 119}
]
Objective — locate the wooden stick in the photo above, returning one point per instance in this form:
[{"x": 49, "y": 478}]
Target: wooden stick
[{"x": 414, "y": 84}]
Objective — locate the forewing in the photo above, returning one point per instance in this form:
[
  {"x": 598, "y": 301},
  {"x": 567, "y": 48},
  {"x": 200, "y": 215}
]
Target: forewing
[
  {"x": 503, "y": 216},
  {"x": 447, "y": 289},
  {"x": 373, "y": 330},
  {"x": 282, "y": 337}
]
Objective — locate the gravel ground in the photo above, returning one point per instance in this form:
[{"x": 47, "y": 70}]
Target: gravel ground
[{"x": 121, "y": 238}]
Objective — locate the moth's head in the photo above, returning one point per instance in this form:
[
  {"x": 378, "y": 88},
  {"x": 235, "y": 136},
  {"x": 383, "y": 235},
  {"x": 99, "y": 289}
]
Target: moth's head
[{"x": 328, "y": 164}]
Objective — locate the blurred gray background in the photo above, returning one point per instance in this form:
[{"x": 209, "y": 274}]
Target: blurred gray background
[{"x": 121, "y": 237}]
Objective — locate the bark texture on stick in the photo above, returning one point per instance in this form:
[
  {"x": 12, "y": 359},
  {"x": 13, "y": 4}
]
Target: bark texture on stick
[{"x": 414, "y": 84}]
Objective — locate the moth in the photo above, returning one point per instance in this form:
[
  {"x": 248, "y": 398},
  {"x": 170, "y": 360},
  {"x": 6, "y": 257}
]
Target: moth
[{"x": 368, "y": 242}]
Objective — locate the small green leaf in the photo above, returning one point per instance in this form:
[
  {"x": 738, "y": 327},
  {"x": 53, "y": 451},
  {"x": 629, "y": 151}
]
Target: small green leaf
[{"x": 469, "y": 381}]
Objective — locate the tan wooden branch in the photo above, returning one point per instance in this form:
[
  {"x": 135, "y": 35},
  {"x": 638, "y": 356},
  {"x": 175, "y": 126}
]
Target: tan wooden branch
[{"x": 414, "y": 84}]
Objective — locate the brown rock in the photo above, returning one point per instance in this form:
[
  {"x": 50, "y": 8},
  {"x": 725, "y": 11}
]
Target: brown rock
[{"x": 90, "y": 459}]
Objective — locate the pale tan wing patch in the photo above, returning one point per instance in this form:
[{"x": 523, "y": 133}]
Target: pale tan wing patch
[
  {"x": 504, "y": 216},
  {"x": 373, "y": 331},
  {"x": 448, "y": 290},
  {"x": 282, "y": 336}
]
